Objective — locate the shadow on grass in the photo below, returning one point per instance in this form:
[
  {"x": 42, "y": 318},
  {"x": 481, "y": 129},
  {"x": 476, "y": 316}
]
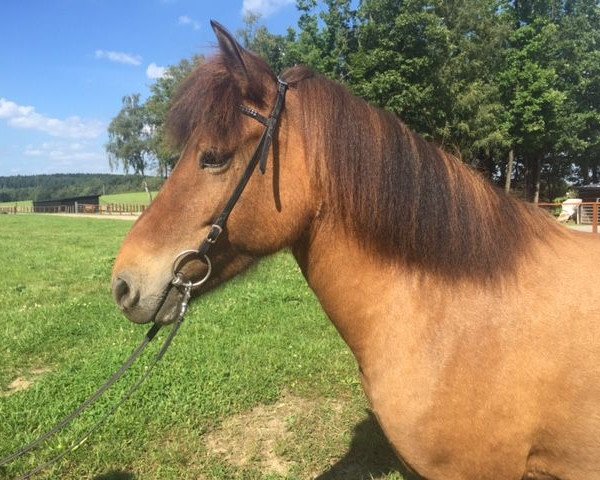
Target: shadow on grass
[
  {"x": 115, "y": 475},
  {"x": 370, "y": 456}
]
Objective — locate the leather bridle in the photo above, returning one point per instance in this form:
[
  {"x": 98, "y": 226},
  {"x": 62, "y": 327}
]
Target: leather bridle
[
  {"x": 178, "y": 281},
  {"x": 260, "y": 157}
]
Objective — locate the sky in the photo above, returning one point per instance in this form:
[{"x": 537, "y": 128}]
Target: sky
[{"x": 66, "y": 64}]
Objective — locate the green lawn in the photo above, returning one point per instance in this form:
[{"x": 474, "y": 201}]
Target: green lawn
[
  {"x": 138, "y": 198},
  {"x": 257, "y": 385},
  {"x": 23, "y": 203}
]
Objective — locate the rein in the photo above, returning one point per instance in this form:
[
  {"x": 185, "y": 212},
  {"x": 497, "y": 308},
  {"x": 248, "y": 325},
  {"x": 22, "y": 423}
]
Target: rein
[
  {"x": 92, "y": 399},
  {"x": 178, "y": 281}
]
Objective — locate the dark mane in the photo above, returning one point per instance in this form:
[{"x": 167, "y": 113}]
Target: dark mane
[
  {"x": 209, "y": 97},
  {"x": 405, "y": 197}
]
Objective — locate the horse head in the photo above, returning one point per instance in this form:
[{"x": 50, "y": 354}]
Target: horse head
[{"x": 216, "y": 118}]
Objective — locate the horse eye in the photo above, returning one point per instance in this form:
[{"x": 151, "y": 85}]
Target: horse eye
[{"x": 212, "y": 159}]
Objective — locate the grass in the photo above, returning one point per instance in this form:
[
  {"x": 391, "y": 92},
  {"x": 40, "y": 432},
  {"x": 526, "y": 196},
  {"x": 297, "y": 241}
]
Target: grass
[
  {"x": 22, "y": 203},
  {"x": 260, "y": 338},
  {"x": 138, "y": 198}
]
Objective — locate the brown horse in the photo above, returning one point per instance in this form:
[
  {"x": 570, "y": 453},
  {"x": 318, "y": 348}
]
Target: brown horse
[{"x": 474, "y": 317}]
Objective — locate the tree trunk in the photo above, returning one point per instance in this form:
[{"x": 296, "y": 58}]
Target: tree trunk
[
  {"x": 489, "y": 167},
  {"x": 537, "y": 179},
  {"x": 532, "y": 178},
  {"x": 147, "y": 189},
  {"x": 595, "y": 174},
  {"x": 509, "y": 170}
]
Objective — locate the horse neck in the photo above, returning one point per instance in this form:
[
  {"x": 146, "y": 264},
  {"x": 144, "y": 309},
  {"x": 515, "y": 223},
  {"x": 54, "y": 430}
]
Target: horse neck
[
  {"x": 359, "y": 292},
  {"x": 369, "y": 297}
]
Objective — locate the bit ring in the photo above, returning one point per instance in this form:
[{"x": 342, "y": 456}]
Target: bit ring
[{"x": 180, "y": 259}]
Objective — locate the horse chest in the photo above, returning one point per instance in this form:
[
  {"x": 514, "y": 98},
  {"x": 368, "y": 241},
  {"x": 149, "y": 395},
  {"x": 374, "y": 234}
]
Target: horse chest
[{"x": 444, "y": 420}]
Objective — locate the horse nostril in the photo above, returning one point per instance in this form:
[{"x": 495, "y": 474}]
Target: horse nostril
[{"x": 125, "y": 294}]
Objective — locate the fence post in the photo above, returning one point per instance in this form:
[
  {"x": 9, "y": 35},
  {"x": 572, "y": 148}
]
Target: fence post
[{"x": 595, "y": 217}]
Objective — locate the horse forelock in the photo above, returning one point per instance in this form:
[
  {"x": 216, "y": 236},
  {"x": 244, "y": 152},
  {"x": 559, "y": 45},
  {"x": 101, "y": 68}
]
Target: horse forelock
[
  {"x": 404, "y": 197},
  {"x": 209, "y": 99}
]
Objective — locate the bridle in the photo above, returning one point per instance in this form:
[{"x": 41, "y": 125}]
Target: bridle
[
  {"x": 260, "y": 157},
  {"x": 178, "y": 281}
]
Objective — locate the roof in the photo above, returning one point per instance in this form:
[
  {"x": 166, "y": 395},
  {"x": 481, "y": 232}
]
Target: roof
[
  {"x": 58, "y": 201},
  {"x": 589, "y": 192}
]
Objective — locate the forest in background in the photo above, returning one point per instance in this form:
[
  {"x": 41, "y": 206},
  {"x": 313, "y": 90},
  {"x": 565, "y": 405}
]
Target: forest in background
[
  {"x": 510, "y": 87},
  {"x": 57, "y": 186}
]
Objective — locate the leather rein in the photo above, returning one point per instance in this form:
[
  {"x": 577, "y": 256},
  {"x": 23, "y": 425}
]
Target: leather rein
[{"x": 178, "y": 281}]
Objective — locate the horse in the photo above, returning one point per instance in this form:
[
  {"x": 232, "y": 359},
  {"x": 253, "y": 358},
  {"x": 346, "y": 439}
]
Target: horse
[{"x": 447, "y": 290}]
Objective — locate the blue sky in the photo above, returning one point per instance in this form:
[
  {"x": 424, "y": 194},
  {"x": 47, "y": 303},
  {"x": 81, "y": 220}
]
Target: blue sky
[{"x": 66, "y": 64}]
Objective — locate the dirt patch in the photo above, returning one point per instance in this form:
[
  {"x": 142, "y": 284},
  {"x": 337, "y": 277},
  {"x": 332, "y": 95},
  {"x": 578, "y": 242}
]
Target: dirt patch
[
  {"x": 321, "y": 438},
  {"x": 255, "y": 437},
  {"x": 24, "y": 382},
  {"x": 97, "y": 215}
]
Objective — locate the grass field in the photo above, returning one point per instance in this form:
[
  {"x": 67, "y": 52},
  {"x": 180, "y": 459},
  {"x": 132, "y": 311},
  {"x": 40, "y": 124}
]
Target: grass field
[
  {"x": 257, "y": 385},
  {"x": 138, "y": 198},
  {"x": 23, "y": 203}
]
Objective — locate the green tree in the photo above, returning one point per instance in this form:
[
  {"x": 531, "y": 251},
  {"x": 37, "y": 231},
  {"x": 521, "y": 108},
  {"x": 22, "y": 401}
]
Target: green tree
[
  {"x": 129, "y": 139},
  {"x": 476, "y": 120},
  {"x": 326, "y": 39},
  {"x": 578, "y": 66},
  {"x": 403, "y": 47},
  {"x": 155, "y": 111},
  {"x": 533, "y": 97},
  {"x": 273, "y": 48}
]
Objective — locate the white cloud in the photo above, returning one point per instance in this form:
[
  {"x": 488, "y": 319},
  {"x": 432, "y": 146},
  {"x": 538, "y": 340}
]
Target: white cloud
[
  {"x": 65, "y": 153},
  {"x": 26, "y": 117},
  {"x": 154, "y": 72},
  {"x": 120, "y": 57},
  {"x": 264, "y": 7},
  {"x": 185, "y": 20}
]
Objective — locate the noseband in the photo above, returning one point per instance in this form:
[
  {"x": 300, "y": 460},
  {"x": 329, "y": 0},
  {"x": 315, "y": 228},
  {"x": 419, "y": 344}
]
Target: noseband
[{"x": 260, "y": 157}]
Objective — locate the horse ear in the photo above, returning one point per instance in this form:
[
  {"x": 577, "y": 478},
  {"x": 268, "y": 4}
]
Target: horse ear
[
  {"x": 232, "y": 50},
  {"x": 249, "y": 70}
]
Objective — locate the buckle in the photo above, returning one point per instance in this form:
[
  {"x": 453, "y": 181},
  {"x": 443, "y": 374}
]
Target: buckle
[{"x": 214, "y": 233}]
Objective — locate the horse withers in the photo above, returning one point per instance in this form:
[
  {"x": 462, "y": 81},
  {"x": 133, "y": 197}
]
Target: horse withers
[{"x": 444, "y": 288}]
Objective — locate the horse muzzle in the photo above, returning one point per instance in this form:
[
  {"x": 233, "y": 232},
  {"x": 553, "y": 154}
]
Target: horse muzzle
[
  {"x": 162, "y": 303},
  {"x": 138, "y": 307}
]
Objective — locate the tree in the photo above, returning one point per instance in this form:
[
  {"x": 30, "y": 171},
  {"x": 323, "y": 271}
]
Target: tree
[
  {"x": 533, "y": 98},
  {"x": 129, "y": 138},
  {"x": 403, "y": 47},
  {"x": 578, "y": 66},
  {"x": 155, "y": 111},
  {"x": 489, "y": 80},
  {"x": 327, "y": 38},
  {"x": 273, "y": 48},
  {"x": 432, "y": 62},
  {"x": 476, "y": 119},
  {"x": 551, "y": 87}
]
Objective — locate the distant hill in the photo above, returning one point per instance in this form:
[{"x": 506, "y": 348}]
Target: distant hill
[{"x": 50, "y": 187}]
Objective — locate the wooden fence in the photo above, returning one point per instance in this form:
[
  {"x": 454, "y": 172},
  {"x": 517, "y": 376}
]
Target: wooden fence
[
  {"x": 109, "y": 209},
  {"x": 587, "y": 212}
]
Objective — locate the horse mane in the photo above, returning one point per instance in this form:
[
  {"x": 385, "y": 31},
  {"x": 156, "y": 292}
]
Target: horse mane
[
  {"x": 403, "y": 196},
  {"x": 398, "y": 194}
]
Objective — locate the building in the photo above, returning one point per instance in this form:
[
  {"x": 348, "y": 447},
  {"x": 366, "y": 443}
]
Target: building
[
  {"x": 84, "y": 204},
  {"x": 589, "y": 193}
]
